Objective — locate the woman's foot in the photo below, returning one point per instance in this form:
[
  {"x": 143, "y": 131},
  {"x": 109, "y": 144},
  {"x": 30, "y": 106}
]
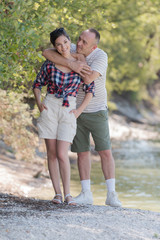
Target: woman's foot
[
  {"x": 68, "y": 199},
  {"x": 57, "y": 199}
]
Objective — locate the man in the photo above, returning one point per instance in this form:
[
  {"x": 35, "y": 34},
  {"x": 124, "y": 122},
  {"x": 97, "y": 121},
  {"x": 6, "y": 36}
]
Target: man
[{"x": 94, "y": 118}]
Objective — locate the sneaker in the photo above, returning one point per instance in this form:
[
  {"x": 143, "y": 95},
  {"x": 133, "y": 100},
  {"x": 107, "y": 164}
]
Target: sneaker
[
  {"x": 84, "y": 198},
  {"x": 112, "y": 200}
]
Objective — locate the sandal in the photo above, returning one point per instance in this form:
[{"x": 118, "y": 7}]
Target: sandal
[
  {"x": 57, "y": 199},
  {"x": 69, "y": 202}
]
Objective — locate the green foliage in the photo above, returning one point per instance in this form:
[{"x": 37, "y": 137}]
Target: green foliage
[
  {"x": 132, "y": 45},
  {"x": 129, "y": 34},
  {"x": 22, "y": 24}
]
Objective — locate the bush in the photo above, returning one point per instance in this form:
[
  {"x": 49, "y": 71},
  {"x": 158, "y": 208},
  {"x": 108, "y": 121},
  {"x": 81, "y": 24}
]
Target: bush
[{"x": 16, "y": 128}]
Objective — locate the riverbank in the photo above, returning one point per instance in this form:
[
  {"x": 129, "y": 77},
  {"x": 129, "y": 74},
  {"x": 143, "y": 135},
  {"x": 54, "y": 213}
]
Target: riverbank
[
  {"x": 23, "y": 217},
  {"x": 31, "y": 219}
]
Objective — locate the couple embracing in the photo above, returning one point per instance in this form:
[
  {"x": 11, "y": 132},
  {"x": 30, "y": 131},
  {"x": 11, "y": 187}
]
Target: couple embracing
[{"x": 75, "y": 106}]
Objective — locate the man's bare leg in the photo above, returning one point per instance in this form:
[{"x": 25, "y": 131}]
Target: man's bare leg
[
  {"x": 84, "y": 167},
  {"x": 108, "y": 168}
]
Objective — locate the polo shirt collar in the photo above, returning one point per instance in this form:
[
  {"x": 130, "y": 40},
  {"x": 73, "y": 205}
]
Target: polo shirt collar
[{"x": 90, "y": 55}]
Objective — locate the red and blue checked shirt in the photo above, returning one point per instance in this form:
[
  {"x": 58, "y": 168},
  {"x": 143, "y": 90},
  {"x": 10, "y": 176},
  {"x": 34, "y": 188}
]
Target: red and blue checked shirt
[{"x": 59, "y": 83}]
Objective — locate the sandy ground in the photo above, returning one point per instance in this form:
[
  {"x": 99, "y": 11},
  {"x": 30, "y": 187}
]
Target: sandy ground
[{"x": 25, "y": 218}]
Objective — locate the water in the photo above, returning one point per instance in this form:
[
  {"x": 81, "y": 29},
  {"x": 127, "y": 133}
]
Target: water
[{"x": 137, "y": 175}]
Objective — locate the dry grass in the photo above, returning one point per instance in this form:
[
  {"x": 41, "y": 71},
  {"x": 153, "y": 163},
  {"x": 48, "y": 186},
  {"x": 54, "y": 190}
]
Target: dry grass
[{"x": 16, "y": 127}]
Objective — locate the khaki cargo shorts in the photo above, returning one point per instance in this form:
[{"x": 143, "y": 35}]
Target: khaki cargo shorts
[{"x": 57, "y": 122}]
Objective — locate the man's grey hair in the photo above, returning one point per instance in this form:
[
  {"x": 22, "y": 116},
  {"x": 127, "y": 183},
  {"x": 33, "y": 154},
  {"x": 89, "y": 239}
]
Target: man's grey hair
[{"x": 97, "y": 34}]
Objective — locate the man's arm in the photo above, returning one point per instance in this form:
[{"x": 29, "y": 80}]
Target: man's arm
[
  {"x": 86, "y": 100},
  {"x": 88, "y": 78},
  {"x": 79, "y": 57},
  {"x": 98, "y": 66},
  {"x": 77, "y": 66}
]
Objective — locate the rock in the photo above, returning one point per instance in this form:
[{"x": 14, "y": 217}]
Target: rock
[{"x": 127, "y": 109}]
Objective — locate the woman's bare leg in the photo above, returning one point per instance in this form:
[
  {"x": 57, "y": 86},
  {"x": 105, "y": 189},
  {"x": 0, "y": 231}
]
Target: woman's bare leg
[
  {"x": 64, "y": 164},
  {"x": 53, "y": 166}
]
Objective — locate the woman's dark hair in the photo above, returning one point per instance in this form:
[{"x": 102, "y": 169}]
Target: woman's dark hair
[{"x": 57, "y": 33}]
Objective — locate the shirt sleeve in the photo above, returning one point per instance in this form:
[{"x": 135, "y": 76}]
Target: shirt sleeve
[
  {"x": 89, "y": 88},
  {"x": 73, "y": 48},
  {"x": 100, "y": 62},
  {"x": 42, "y": 77}
]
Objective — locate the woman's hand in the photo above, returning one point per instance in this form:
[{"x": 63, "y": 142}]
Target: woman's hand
[
  {"x": 76, "y": 112},
  {"x": 37, "y": 94},
  {"x": 41, "y": 107}
]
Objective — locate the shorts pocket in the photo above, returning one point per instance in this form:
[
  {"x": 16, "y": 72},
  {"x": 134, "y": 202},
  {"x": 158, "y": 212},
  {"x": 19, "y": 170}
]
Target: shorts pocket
[
  {"x": 73, "y": 121},
  {"x": 73, "y": 115},
  {"x": 103, "y": 114},
  {"x": 43, "y": 112},
  {"x": 42, "y": 115}
]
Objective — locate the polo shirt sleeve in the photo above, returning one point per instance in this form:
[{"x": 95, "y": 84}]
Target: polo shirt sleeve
[
  {"x": 100, "y": 62},
  {"x": 42, "y": 77}
]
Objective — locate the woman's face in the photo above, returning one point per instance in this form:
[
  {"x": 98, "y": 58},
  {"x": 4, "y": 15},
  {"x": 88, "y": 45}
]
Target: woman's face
[{"x": 62, "y": 45}]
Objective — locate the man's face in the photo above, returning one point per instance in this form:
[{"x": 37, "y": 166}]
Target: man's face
[{"x": 86, "y": 43}]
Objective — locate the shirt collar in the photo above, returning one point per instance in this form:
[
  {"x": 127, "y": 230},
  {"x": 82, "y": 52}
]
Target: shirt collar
[{"x": 90, "y": 55}]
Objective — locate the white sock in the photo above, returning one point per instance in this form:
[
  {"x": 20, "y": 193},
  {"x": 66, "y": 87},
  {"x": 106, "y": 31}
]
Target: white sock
[
  {"x": 86, "y": 185},
  {"x": 110, "y": 183}
]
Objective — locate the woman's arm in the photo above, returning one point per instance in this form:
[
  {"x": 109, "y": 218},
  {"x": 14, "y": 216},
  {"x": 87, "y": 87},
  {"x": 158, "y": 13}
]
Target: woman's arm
[
  {"x": 37, "y": 94},
  {"x": 86, "y": 100}
]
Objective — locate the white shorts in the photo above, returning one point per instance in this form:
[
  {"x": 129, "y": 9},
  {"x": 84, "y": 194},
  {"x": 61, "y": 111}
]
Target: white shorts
[{"x": 56, "y": 122}]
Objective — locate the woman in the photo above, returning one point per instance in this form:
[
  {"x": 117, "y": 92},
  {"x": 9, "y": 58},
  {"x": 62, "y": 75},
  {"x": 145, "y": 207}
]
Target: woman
[{"x": 57, "y": 121}]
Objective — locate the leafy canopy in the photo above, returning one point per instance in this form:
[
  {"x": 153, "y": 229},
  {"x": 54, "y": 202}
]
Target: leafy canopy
[{"x": 129, "y": 34}]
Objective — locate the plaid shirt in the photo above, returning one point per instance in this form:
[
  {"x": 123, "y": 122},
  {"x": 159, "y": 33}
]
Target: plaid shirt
[{"x": 59, "y": 83}]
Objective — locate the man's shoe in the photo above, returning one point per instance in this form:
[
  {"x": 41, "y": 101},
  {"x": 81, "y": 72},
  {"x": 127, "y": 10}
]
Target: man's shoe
[
  {"x": 84, "y": 198},
  {"x": 112, "y": 200}
]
